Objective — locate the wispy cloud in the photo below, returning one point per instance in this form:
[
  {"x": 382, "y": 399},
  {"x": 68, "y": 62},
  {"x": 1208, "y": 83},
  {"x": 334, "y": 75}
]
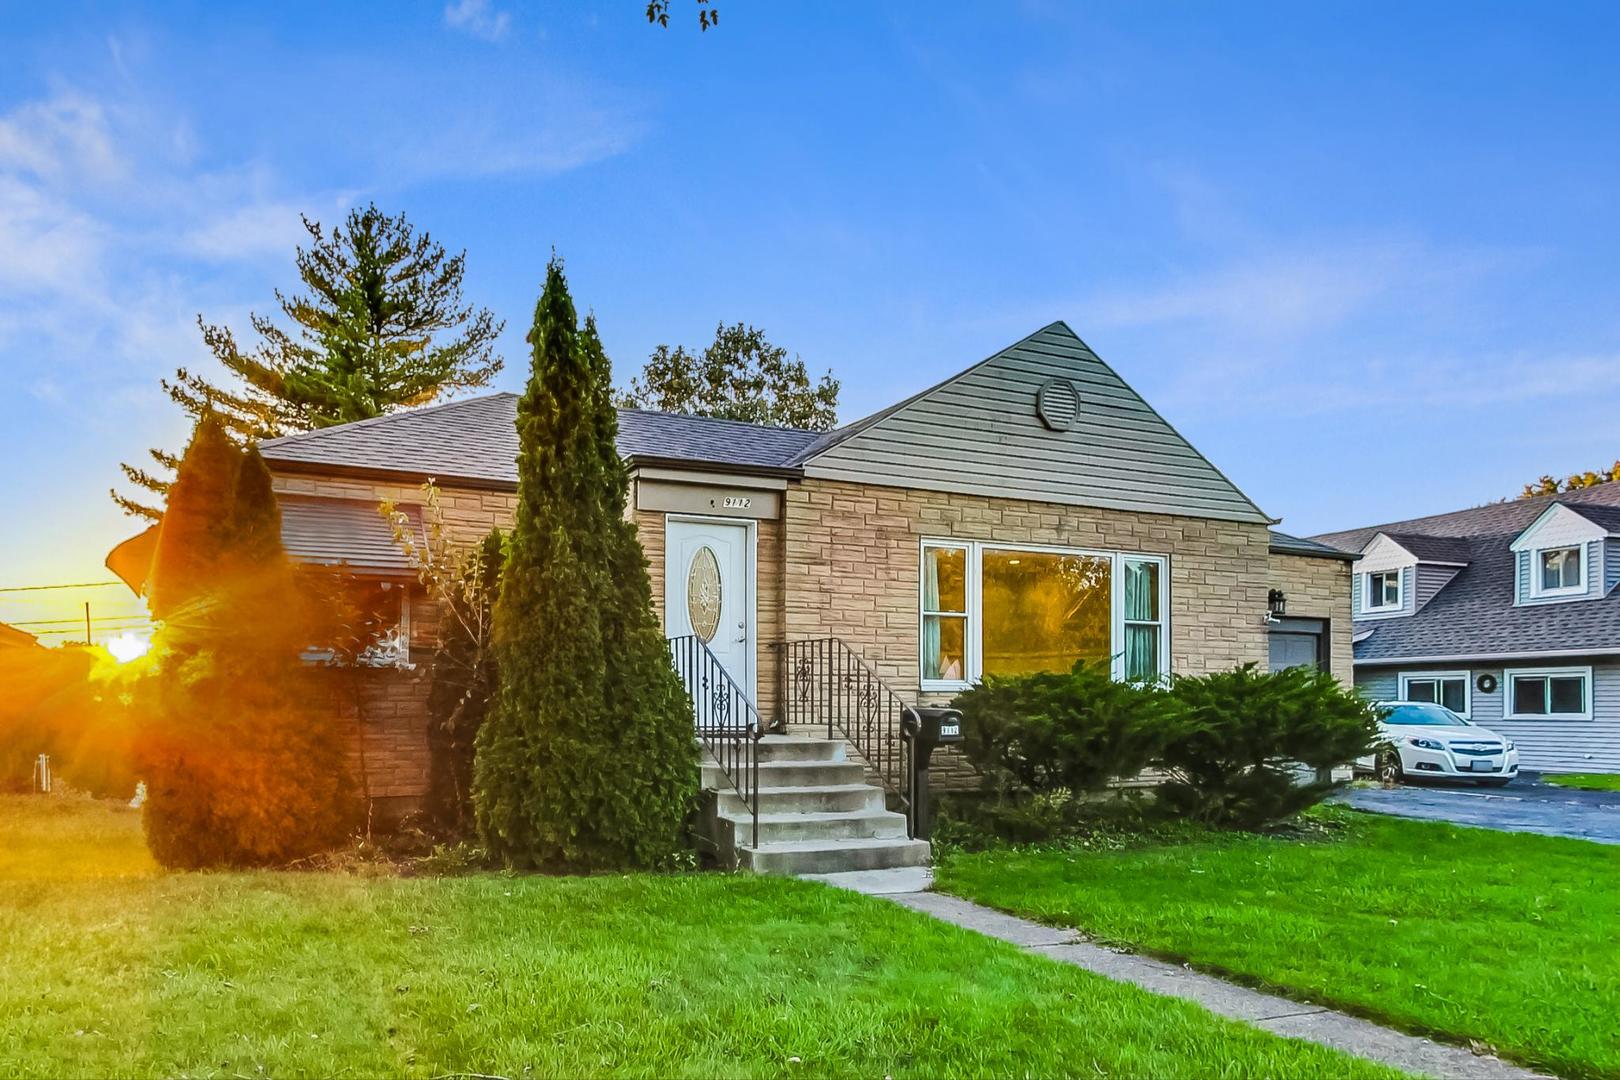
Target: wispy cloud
[
  {"x": 479, "y": 18},
  {"x": 66, "y": 136},
  {"x": 1300, "y": 290}
]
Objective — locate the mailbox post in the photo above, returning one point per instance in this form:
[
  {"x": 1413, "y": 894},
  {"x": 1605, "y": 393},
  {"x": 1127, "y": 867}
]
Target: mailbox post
[{"x": 925, "y": 729}]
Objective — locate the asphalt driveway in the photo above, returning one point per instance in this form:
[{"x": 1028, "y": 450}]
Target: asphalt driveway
[{"x": 1526, "y": 805}]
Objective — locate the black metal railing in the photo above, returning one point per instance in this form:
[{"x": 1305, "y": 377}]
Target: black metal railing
[
  {"x": 727, "y": 723},
  {"x": 825, "y": 682}
]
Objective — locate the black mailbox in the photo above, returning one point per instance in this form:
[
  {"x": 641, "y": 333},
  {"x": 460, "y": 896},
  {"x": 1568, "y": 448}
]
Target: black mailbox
[{"x": 925, "y": 729}]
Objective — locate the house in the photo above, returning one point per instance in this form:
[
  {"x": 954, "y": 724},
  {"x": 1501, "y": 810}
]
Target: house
[
  {"x": 1508, "y": 614},
  {"x": 1026, "y": 513}
]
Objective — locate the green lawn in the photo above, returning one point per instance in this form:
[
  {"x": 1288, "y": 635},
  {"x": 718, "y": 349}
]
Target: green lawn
[
  {"x": 115, "y": 968},
  {"x": 1509, "y": 939},
  {"x": 1585, "y": 781}
]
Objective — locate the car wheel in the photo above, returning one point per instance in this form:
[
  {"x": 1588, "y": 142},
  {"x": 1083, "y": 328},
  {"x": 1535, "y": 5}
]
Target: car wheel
[
  {"x": 1498, "y": 782},
  {"x": 1389, "y": 766}
]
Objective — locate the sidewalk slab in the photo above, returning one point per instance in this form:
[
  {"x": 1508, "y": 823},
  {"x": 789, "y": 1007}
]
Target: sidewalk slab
[{"x": 1269, "y": 1012}]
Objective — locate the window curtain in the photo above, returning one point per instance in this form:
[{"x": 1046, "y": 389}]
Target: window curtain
[
  {"x": 930, "y": 627},
  {"x": 1142, "y": 620}
]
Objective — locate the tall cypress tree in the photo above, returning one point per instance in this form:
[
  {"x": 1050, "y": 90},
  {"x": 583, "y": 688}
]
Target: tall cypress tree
[
  {"x": 588, "y": 759},
  {"x": 241, "y": 767}
]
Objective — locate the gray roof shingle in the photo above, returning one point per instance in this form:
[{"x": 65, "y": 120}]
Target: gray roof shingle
[
  {"x": 1435, "y": 549},
  {"x": 476, "y": 439},
  {"x": 1284, "y": 544},
  {"x": 1509, "y": 516},
  {"x": 1474, "y": 614}
]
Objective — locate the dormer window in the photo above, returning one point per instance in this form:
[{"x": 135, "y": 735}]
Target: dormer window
[
  {"x": 1560, "y": 571},
  {"x": 1382, "y": 591}
]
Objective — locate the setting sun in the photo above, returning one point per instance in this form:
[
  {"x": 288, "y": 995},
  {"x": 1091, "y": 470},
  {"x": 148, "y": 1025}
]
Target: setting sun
[{"x": 126, "y": 647}]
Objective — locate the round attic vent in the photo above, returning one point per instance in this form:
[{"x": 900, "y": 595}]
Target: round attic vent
[{"x": 1056, "y": 403}]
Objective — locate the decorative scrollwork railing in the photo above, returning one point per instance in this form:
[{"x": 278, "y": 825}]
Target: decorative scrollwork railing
[
  {"x": 827, "y": 682},
  {"x": 726, "y": 721}
]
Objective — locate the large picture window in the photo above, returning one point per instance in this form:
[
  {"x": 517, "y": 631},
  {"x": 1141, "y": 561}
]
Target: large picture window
[{"x": 992, "y": 609}]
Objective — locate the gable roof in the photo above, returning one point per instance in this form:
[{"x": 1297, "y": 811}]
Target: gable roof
[
  {"x": 1474, "y": 615},
  {"x": 1433, "y": 549},
  {"x": 979, "y": 432},
  {"x": 976, "y": 432},
  {"x": 475, "y": 439}
]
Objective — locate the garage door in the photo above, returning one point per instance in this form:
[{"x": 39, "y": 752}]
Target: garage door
[{"x": 1298, "y": 643}]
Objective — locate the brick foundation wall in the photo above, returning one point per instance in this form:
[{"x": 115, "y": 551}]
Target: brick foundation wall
[{"x": 1320, "y": 589}]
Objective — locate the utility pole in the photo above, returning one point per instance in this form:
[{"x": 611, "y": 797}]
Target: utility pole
[{"x": 87, "y": 622}]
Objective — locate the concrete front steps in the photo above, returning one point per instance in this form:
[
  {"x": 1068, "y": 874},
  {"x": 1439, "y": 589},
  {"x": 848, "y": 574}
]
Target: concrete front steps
[{"x": 817, "y": 814}]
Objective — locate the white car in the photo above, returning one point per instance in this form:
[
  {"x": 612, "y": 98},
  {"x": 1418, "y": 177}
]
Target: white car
[{"x": 1425, "y": 739}]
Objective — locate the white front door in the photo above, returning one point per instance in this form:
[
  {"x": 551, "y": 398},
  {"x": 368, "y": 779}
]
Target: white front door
[{"x": 708, "y": 591}]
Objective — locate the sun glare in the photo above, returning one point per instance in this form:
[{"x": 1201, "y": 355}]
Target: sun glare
[{"x": 126, "y": 647}]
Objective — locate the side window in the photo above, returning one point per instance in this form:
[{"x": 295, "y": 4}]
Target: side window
[
  {"x": 1449, "y": 690},
  {"x": 1381, "y": 591}
]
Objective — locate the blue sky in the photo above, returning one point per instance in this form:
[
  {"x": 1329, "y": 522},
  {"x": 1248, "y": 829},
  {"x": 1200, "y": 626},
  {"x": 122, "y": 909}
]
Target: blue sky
[{"x": 1362, "y": 256}]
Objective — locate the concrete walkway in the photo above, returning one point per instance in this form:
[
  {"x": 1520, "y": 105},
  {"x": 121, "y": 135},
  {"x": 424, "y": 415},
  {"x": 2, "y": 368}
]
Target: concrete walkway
[{"x": 1278, "y": 1015}]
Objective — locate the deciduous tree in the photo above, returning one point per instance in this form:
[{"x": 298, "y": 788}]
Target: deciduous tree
[
  {"x": 1549, "y": 485},
  {"x": 740, "y": 376}
]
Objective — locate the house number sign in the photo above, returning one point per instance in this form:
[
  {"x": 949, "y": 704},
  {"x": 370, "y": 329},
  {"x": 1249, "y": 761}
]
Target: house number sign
[{"x": 737, "y": 502}]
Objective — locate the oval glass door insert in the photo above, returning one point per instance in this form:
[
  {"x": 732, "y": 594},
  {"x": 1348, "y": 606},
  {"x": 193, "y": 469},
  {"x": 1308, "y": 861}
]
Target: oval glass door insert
[{"x": 703, "y": 593}]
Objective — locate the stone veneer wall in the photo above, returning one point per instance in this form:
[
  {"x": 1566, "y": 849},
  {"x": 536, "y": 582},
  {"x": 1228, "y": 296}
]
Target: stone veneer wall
[
  {"x": 854, "y": 552},
  {"x": 1320, "y": 589}
]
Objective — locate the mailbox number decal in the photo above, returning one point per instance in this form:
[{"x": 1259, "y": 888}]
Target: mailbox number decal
[
  {"x": 737, "y": 502},
  {"x": 949, "y": 731}
]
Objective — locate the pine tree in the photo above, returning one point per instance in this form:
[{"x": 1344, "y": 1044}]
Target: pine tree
[
  {"x": 241, "y": 768},
  {"x": 383, "y": 325},
  {"x": 587, "y": 760}
]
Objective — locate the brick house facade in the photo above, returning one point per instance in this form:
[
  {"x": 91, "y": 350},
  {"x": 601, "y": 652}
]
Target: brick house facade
[{"x": 758, "y": 536}]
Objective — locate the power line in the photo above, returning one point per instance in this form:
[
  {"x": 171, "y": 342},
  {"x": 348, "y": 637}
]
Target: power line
[
  {"x": 41, "y": 588},
  {"x": 79, "y": 621}
]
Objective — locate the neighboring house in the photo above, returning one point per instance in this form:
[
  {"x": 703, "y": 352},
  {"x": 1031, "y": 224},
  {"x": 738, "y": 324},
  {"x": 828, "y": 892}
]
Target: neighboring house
[
  {"x": 13, "y": 638},
  {"x": 1508, "y": 614},
  {"x": 1024, "y": 514}
]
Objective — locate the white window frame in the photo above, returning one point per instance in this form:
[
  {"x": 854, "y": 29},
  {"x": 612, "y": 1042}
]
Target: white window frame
[
  {"x": 974, "y": 630},
  {"x": 1368, "y": 606},
  {"x": 970, "y": 585},
  {"x": 1536, "y": 589},
  {"x": 1512, "y": 674},
  {"x": 1409, "y": 677}
]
